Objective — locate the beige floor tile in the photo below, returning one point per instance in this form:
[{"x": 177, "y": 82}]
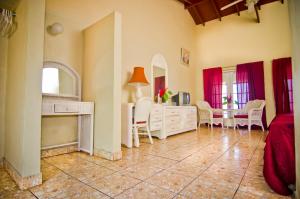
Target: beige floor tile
[
  {"x": 254, "y": 185},
  {"x": 68, "y": 162},
  {"x": 49, "y": 171},
  {"x": 17, "y": 195},
  {"x": 255, "y": 172},
  {"x": 146, "y": 191},
  {"x": 187, "y": 169},
  {"x": 140, "y": 171},
  {"x": 114, "y": 184},
  {"x": 80, "y": 191},
  {"x": 249, "y": 195},
  {"x": 55, "y": 186},
  {"x": 199, "y": 189},
  {"x": 230, "y": 168},
  {"x": 170, "y": 180},
  {"x": 224, "y": 180},
  {"x": 203, "y": 164},
  {"x": 6, "y": 183},
  {"x": 201, "y": 160},
  {"x": 159, "y": 162},
  {"x": 93, "y": 159},
  {"x": 90, "y": 174},
  {"x": 176, "y": 155}
]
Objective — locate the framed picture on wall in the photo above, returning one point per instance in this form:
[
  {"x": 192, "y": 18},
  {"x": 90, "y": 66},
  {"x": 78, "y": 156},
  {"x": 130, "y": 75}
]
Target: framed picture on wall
[{"x": 185, "y": 57}]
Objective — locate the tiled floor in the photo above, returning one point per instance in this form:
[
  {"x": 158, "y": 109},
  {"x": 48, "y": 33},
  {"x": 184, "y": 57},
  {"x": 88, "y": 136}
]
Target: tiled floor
[{"x": 204, "y": 164}]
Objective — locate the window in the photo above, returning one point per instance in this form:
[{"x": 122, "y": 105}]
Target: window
[
  {"x": 290, "y": 88},
  {"x": 229, "y": 89},
  {"x": 243, "y": 93},
  {"x": 216, "y": 94},
  {"x": 50, "y": 80},
  {"x": 234, "y": 95},
  {"x": 224, "y": 94}
]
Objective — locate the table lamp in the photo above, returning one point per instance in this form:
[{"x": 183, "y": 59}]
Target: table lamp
[{"x": 138, "y": 80}]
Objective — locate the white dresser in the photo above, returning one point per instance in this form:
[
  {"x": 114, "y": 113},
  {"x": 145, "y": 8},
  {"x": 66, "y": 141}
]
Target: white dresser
[
  {"x": 164, "y": 121},
  {"x": 178, "y": 119},
  {"x": 156, "y": 117}
]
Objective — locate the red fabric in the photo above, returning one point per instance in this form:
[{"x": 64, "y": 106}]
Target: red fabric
[
  {"x": 217, "y": 116},
  {"x": 212, "y": 79},
  {"x": 282, "y": 74},
  {"x": 279, "y": 157},
  {"x": 251, "y": 84},
  {"x": 240, "y": 116},
  {"x": 159, "y": 84}
]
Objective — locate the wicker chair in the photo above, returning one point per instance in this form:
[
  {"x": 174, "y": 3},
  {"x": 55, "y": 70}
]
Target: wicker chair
[
  {"x": 208, "y": 115},
  {"x": 250, "y": 115}
]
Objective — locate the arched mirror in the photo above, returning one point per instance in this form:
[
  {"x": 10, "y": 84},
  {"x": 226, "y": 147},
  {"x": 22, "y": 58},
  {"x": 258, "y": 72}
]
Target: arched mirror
[
  {"x": 159, "y": 75},
  {"x": 60, "y": 80}
]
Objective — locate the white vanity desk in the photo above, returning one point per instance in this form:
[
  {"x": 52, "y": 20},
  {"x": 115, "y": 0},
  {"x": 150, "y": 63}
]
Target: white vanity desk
[
  {"x": 61, "y": 89},
  {"x": 85, "y": 112}
]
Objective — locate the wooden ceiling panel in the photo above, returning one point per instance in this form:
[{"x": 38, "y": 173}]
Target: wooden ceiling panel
[
  {"x": 203, "y": 11},
  {"x": 207, "y": 11}
]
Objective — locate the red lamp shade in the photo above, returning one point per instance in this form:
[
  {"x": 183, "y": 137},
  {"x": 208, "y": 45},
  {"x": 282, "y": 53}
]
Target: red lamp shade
[{"x": 138, "y": 77}]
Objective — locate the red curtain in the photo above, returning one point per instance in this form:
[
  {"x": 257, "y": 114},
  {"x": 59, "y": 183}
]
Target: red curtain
[
  {"x": 159, "y": 84},
  {"x": 212, "y": 79},
  {"x": 283, "y": 85},
  {"x": 250, "y": 84}
]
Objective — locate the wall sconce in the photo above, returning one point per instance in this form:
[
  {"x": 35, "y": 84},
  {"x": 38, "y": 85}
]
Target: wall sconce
[{"x": 55, "y": 29}]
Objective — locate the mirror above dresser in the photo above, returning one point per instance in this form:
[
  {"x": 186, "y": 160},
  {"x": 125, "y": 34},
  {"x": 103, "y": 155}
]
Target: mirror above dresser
[{"x": 159, "y": 75}]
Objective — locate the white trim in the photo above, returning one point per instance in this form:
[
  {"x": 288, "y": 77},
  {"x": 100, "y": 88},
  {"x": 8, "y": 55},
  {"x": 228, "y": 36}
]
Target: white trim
[
  {"x": 158, "y": 60},
  {"x": 59, "y": 145},
  {"x": 61, "y": 96},
  {"x": 70, "y": 71}
]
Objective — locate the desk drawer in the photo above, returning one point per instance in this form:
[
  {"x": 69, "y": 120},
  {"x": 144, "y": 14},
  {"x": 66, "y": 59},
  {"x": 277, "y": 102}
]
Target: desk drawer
[
  {"x": 66, "y": 108},
  {"x": 155, "y": 118},
  {"x": 171, "y": 112},
  {"x": 156, "y": 110},
  {"x": 171, "y": 121},
  {"x": 172, "y": 128},
  {"x": 154, "y": 126}
]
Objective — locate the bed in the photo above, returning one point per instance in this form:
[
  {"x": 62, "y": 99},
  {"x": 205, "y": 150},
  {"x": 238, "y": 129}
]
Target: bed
[{"x": 279, "y": 156}]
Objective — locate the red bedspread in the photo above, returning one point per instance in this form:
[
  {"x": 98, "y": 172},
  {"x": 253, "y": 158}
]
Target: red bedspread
[{"x": 279, "y": 157}]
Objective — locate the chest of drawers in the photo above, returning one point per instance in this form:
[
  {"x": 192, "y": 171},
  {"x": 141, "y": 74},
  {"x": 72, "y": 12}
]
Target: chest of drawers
[{"x": 178, "y": 119}]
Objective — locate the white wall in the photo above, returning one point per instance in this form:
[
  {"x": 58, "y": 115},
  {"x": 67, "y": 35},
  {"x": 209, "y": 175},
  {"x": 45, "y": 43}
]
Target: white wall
[
  {"x": 295, "y": 23},
  {"x": 149, "y": 27},
  {"x": 23, "y": 89},
  {"x": 239, "y": 39},
  {"x": 3, "y": 60},
  {"x": 65, "y": 48},
  {"x": 102, "y": 81}
]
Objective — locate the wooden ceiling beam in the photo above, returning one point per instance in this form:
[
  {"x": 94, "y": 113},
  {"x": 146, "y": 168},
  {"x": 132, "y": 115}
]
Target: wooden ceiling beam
[
  {"x": 198, "y": 15},
  {"x": 196, "y": 4},
  {"x": 185, "y": 2},
  {"x": 237, "y": 9},
  {"x": 217, "y": 10},
  {"x": 257, "y": 14}
]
